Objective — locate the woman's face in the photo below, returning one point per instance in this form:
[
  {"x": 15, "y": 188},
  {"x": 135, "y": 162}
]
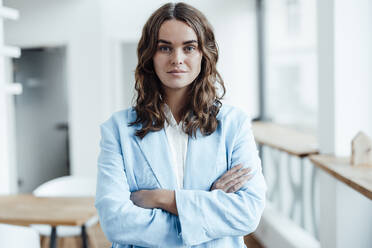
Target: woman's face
[{"x": 177, "y": 60}]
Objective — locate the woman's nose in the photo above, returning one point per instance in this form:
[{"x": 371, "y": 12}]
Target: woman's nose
[{"x": 177, "y": 57}]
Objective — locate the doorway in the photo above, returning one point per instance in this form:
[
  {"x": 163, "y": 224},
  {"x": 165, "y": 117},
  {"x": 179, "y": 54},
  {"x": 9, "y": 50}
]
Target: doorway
[{"x": 41, "y": 117}]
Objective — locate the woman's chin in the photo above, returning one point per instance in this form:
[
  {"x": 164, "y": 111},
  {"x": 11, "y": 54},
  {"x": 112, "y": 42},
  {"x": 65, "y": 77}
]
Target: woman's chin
[{"x": 176, "y": 85}]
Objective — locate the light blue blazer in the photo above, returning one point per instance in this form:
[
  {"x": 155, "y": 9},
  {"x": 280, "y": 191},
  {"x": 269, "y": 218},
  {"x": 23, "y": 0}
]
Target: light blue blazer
[{"x": 206, "y": 218}]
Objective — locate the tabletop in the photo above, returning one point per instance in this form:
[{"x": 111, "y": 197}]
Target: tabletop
[{"x": 54, "y": 211}]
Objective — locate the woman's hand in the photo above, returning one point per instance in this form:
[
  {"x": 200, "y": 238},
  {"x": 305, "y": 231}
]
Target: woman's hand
[
  {"x": 144, "y": 198},
  {"x": 233, "y": 179}
]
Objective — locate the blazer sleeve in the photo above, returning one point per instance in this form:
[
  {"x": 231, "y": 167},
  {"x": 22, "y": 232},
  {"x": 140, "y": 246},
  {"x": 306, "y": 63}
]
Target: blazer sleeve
[
  {"x": 121, "y": 220},
  {"x": 205, "y": 215}
]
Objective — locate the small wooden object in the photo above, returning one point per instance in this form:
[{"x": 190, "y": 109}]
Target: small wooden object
[{"x": 361, "y": 150}]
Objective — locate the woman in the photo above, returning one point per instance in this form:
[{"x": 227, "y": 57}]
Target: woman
[{"x": 178, "y": 169}]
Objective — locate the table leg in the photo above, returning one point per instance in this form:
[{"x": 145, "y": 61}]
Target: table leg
[
  {"x": 53, "y": 237},
  {"x": 302, "y": 192},
  {"x": 84, "y": 236}
]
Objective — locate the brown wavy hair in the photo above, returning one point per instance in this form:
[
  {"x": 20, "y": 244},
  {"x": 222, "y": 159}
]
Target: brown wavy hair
[{"x": 203, "y": 104}]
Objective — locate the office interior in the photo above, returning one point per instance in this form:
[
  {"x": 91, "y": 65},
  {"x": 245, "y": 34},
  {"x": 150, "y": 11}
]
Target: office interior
[{"x": 301, "y": 69}]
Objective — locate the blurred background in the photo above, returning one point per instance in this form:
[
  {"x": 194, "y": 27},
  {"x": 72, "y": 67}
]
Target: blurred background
[{"x": 305, "y": 65}]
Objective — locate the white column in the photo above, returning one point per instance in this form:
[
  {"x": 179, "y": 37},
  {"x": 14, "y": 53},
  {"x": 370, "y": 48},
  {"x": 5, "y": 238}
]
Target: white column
[
  {"x": 7, "y": 163},
  {"x": 7, "y": 166},
  {"x": 4, "y": 158},
  {"x": 345, "y": 107}
]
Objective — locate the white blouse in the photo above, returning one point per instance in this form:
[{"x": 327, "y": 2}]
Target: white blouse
[{"x": 177, "y": 141}]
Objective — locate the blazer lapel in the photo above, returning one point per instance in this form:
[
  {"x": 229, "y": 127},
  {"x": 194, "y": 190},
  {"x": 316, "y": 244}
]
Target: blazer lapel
[
  {"x": 156, "y": 150},
  {"x": 201, "y": 158}
]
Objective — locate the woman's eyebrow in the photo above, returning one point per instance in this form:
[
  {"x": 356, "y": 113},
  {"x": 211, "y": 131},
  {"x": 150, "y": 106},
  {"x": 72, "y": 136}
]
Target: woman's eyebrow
[
  {"x": 164, "y": 41},
  {"x": 190, "y": 41},
  {"x": 184, "y": 43}
]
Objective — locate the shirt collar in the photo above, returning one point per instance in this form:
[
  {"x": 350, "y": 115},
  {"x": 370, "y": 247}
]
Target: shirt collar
[{"x": 168, "y": 113}]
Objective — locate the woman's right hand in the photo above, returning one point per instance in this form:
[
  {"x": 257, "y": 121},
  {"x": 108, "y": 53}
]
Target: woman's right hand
[{"x": 233, "y": 179}]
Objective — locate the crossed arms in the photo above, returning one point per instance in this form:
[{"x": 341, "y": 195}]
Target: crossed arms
[
  {"x": 230, "y": 182},
  {"x": 175, "y": 218}
]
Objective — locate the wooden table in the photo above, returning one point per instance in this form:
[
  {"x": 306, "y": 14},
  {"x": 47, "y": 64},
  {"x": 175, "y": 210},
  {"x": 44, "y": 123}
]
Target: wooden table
[
  {"x": 358, "y": 178},
  {"x": 53, "y": 211}
]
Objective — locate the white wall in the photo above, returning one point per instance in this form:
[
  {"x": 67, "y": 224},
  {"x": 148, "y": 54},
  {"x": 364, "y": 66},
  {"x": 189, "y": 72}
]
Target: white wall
[
  {"x": 235, "y": 30},
  {"x": 345, "y": 76},
  {"x": 93, "y": 30},
  {"x": 77, "y": 25}
]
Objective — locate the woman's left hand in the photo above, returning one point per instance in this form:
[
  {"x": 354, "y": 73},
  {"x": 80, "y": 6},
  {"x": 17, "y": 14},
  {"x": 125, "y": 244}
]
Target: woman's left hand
[
  {"x": 233, "y": 179},
  {"x": 144, "y": 198}
]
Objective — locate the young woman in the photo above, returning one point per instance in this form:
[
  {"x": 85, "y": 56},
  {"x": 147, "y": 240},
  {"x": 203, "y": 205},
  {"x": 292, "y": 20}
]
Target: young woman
[{"x": 179, "y": 169}]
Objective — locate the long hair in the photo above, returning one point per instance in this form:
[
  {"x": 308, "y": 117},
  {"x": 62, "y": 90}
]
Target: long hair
[{"x": 203, "y": 101}]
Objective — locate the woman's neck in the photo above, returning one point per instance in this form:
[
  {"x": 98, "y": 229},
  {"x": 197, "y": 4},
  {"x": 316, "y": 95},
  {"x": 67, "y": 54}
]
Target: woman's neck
[{"x": 176, "y": 99}]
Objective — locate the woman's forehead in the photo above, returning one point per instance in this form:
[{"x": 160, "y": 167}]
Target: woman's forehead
[{"x": 176, "y": 32}]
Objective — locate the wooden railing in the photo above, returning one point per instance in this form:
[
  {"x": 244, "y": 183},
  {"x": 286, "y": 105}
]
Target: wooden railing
[
  {"x": 358, "y": 178},
  {"x": 274, "y": 141}
]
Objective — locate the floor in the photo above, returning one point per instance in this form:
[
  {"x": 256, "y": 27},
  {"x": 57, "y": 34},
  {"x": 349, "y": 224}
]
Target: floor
[
  {"x": 102, "y": 242},
  {"x": 251, "y": 242},
  {"x": 95, "y": 232}
]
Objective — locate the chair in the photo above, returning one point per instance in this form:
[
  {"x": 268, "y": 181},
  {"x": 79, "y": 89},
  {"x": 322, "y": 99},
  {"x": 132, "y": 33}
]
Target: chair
[
  {"x": 67, "y": 186},
  {"x": 18, "y": 237}
]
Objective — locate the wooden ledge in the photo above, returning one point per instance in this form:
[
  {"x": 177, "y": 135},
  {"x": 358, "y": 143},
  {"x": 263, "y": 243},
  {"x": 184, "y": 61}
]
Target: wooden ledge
[
  {"x": 358, "y": 178},
  {"x": 284, "y": 139}
]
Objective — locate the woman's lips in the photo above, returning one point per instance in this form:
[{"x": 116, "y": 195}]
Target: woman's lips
[{"x": 177, "y": 72}]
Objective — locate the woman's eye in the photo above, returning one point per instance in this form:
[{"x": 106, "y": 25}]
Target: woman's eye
[
  {"x": 190, "y": 48},
  {"x": 164, "y": 49}
]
